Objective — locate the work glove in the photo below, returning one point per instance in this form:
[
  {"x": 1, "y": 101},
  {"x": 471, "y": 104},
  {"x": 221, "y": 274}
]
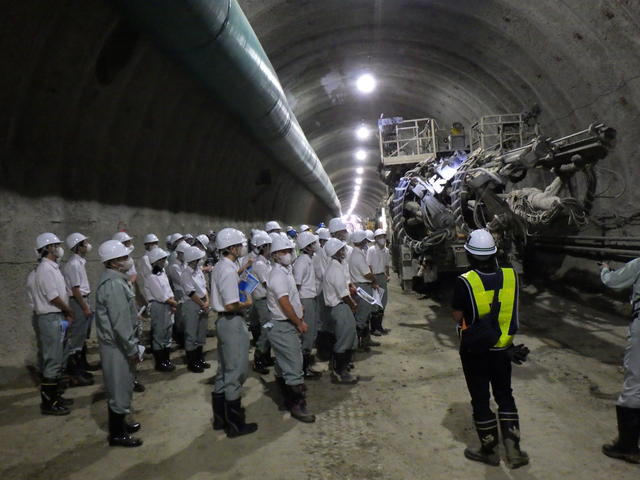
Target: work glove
[{"x": 518, "y": 353}]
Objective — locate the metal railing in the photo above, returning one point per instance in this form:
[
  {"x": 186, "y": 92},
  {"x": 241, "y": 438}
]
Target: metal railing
[
  {"x": 409, "y": 138},
  {"x": 501, "y": 132}
]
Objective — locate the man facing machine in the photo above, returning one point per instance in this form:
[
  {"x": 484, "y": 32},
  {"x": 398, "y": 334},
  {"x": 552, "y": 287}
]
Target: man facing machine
[{"x": 379, "y": 259}]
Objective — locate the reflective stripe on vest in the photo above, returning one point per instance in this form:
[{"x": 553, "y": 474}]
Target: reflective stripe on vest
[{"x": 506, "y": 297}]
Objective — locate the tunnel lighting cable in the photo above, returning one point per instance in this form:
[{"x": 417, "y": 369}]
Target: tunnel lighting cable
[
  {"x": 366, "y": 83},
  {"x": 362, "y": 133},
  {"x": 361, "y": 155}
]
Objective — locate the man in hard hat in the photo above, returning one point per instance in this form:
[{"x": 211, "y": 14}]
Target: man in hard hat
[
  {"x": 162, "y": 307},
  {"x": 325, "y": 338},
  {"x": 127, "y": 241},
  {"x": 260, "y": 313},
  {"x": 305, "y": 228},
  {"x": 379, "y": 261},
  {"x": 233, "y": 336},
  {"x": 195, "y": 309},
  {"x": 625, "y": 447},
  {"x": 288, "y": 323},
  {"x": 335, "y": 289},
  {"x": 362, "y": 278},
  {"x": 174, "y": 273},
  {"x": 485, "y": 301},
  {"x": 75, "y": 276},
  {"x": 116, "y": 316},
  {"x": 49, "y": 294},
  {"x": 305, "y": 277}
]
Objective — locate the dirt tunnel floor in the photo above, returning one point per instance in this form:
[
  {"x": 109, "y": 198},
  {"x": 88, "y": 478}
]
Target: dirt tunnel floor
[{"x": 408, "y": 418}]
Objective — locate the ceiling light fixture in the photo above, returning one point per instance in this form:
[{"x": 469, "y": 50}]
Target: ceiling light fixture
[
  {"x": 358, "y": 181},
  {"x": 359, "y": 170},
  {"x": 361, "y": 155},
  {"x": 362, "y": 133},
  {"x": 366, "y": 83}
]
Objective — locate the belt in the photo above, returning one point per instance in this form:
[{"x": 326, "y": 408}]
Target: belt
[
  {"x": 228, "y": 314},
  {"x": 74, "y": 298}
]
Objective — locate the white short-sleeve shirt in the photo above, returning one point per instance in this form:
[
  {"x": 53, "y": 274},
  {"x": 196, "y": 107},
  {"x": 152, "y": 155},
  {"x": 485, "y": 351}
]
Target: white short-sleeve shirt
[
  {"x": 175, "y": 275},
  {"x": 261, "y": 269},
  {"x": 157, "y": 285},
  {"x": 358, "y": 266},
  {"x": 281, "y": 283},
  {"x": 224, "y": 284},
  {"x": 378, "y": 259},
  {"x": 335, "y": 285},
  {"x": 49, "y": 284},
  {"x": 345, "y": 261},
  {"x": 75, "y": 274},
  {"x": 320, "y": 262},
  {"x": 305, "y": 276},
  {"x": 193, "y": 281}
]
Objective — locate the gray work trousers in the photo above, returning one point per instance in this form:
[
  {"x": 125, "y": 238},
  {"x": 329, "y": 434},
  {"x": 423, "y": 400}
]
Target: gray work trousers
[
  {"x": 381, "y": 279},
  {"x": 630, "y": 395},
  {"x": 325, "y": 323},
  {"x": 51, "y": 343},
  {"x": 344, "y": 327},
  {"x": 233, "y": 355},
  {"x": 310, "y": 306},
  {"x": 161, "y": 324},
  {"x": 363, "y": 309},
  {"x": 118, "y": 375},
  {"x": 261, "y": 315},
  {"x": 285, "y": 343},
  {"x": 77, "y": 331},
  {"x": 195, "y": 325}
]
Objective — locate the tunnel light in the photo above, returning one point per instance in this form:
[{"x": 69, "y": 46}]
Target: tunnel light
[
  {"x": 359, "y": 170},
  {"x": 366, "y": 83},
  {"x": 361, "y": 155},
  {"x": 356, "y": 188},
  {"x": 362, "y": 133},
  {"x": 359, "y": 181}
]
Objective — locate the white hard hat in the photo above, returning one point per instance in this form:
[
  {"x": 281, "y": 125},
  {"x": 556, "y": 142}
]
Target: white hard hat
[
  {"x": 274, "y": 235},
  {"x": 305, "y": 239},
  {"x": 167, "y": 239},
  {"x": 228, "y": 237},
  {"x": 156, "y": 254},
  {"x": 122, "y": 237},
  {"x": 45, "y": 239},
  {"x": 260, "y": 238},
  {"x": 336, "y": 225},
  {"x": 112, "y": 249},
  {"x": 182, "y": 247},
  {"x": 188, "y": 235},
  {"x": 74, "y": 239},
  {"x": 175, "y": 237},
  {"x": 272, "y": 225},
  {"x": 358, "y": 236},
  {"x": 192, "y": 253},
  {"x": 281, "y": 243},
  {"x": 150, "y": 238},
  {"x": 332, "y": 246},
  {"x": 203, "y": 239},
  {"x": 370, "y": 235},
  {"x": 304, "y": 227},
  {"x": 380, "y": 231},
  {"x": 323, "y": 234},
  {"x": 480, "y": 242}
]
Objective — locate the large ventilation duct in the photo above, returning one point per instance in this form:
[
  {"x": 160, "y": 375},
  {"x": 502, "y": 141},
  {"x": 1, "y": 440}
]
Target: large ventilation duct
[{"x": 215, "y": 41}]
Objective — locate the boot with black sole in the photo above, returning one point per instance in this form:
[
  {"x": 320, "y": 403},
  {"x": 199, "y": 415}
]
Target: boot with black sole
[
  {"x": 204, "y": 364},
  {"x": 625, "y": 447},
  {"x": 259, "y": 365},
  {"x": 76, "y": 379},
  {"x": 362, "y": 343},
  {"x": 308, "y": 372},
  {"x": 341, "y": 374},
  {"x": 67, "y": 402},
  {"x": 118, "y": 435},
  {"x": 192, "y": 361},
  {"x": 368, "y": 340},
  {"x": 298, "y": 409},
  {"x": 169, "y": 366},
  {"x": 510, "y": 431},
  {"x": 50, "y": 399},
  {"x": 218, "y": 406},
  {"x": 489, "y": 440},
  {"x": 236, "y": 425},
  {"x": 81, "y": 367},
  {"x": 85, "y": 364}
]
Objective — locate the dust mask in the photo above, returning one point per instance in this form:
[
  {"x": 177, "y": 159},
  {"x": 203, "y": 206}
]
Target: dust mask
[
  {"x": 125, "y": 265},
  {"x": 89, "y": 247},
  {"x": 381, "y": 241},
  {"x": 58, "y": 252},
  {"x": 285, "y": 259}
]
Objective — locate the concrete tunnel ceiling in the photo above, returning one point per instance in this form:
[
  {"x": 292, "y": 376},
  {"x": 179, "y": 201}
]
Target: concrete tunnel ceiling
[{"x": 455, "y": 61}]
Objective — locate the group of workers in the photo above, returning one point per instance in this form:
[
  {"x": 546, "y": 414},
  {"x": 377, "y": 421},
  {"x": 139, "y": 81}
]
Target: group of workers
[{"x": 292, "y": 292}]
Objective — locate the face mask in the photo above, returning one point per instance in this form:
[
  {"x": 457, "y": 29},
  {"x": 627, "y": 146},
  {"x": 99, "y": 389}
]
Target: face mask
[
  {"x": 381, "y": 241},
  {"x": 58, "y": 252},
  {"x": 125, "y": 265},
  {"x": 151, "y": 247},
  {"x": 131, "y": 249},
  {"x": 285, "y": 259},
  {"x": 89, "y": 247},
  {"x": 243, "y": 251}
]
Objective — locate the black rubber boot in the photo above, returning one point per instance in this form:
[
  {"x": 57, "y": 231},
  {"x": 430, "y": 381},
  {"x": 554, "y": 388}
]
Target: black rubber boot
[
  {"x": 308, "y": 372},
  {"x": 368, "y": 340},
  {"x": 138, "y": 387},
  {"x": 50, "y": 399},
  {"x": 625, "y": 447},
  {"x": 192, "y": 361},
  {"x": 236, "y": 424},
  {"x": 299, "y": 404},
  {"x": 66, "y": 402},
  {"x": 363, "y": 346},
  {"x": 324, "y": 345},
  {"x": 132, "y": 427},
  {"x": 255, "y": 334},
  {"x": 86, "y": 366},
  {"x": 268, "y": 360},
  {"x": 118, "y": 435},
  {"x": 80, "y": 365},
  {"x": 489, "y": 440},
  {"x": 510, "y": 430},
  {"x": 76, "y": 379},
  {"x": 285, "y": 403},
  {"x": 259, "y": 363},
  {"x": 217, "y": 403},
  {"x": 169, "y": 366},
  {"x": 201, "y": 360},
  {"x": 341, "y": 372}
]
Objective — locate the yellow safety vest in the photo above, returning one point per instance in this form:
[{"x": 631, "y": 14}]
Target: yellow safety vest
[{"x": 506, "y": 297}]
